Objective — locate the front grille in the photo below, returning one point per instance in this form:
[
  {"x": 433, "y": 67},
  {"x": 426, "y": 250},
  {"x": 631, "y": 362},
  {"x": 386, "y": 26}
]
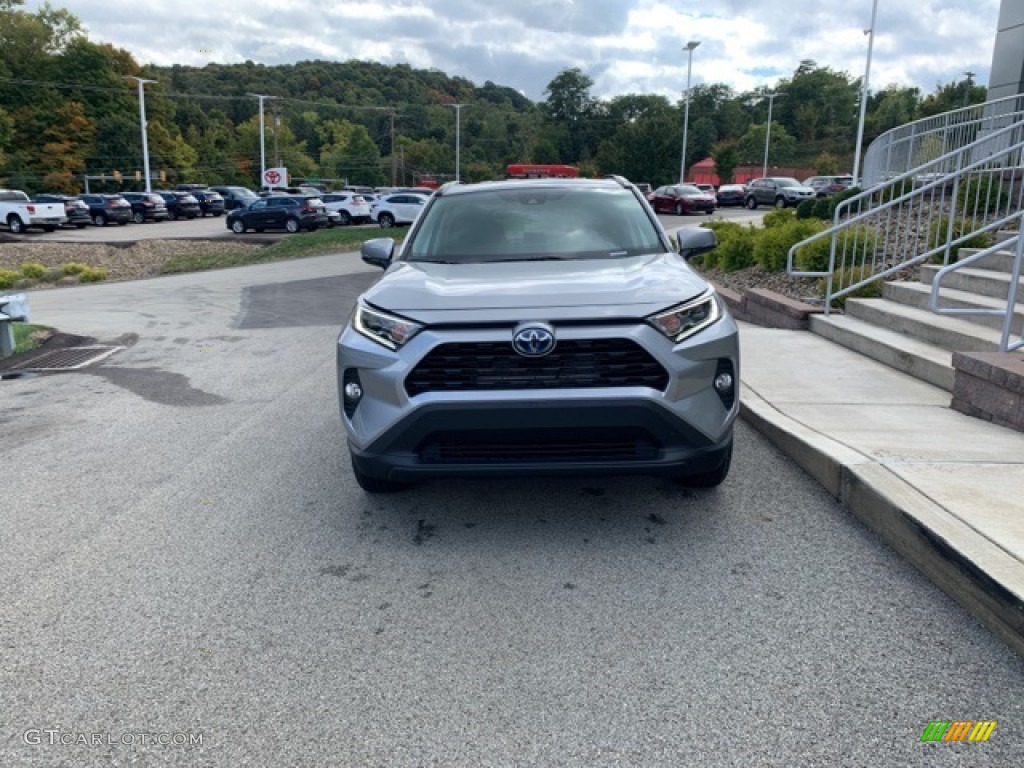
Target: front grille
[
  {"x": 574, "y": 363},
  {"x": 472, "y": 447}
]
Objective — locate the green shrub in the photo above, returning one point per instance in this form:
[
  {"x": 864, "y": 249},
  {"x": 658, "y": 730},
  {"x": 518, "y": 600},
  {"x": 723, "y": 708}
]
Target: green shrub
[
  {"x": 982, "y": 195},
  {"x": 938, "y": 231},
  {"x": 32, "y": 270},
  {"x": 74, "y": 268},
  {"x": 22, "y": 283},
  {"x": 805, "y": 210},
  {"x": 723, "y": 231},
  {"x": 815, "y": 256},
  {"x": 773, "y": 243},
  {"x": 778, "y": 217},
  {"x": 823, "y": 208},
  {"x": 841, "y": 278},
  {"x": 736, "y": 247},
  {"x": 93, "y": 274},
  {"x": 7, "y": 278},
  {"x": 52, "y": 275}
]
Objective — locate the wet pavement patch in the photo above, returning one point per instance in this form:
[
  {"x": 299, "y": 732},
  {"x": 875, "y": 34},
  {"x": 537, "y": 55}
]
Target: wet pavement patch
[
  {"x": 321, "y": 301},
  {"x": 158, "y": 386}
]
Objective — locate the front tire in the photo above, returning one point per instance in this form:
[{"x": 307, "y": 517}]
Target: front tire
[
  {"x": 238, "y": 227},
  {"x": 99, "y": 220},
  {"x": 15, "y": 224},
  {"x": 780, "y": 202},
  {"x": 713, "y": 477},
  {"x": 372, "y": 484},
  {"x": 386, "y": 221},
  {"x": 751, "y": 203},
  {"x": 679, "y": 209},
  {"x": 139, "y": 217},
  {"x": 292, "y": 226}
]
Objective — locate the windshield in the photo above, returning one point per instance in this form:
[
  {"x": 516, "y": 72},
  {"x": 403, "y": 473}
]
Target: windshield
[
  {"x": 783, "y": 181},
  {"x": 534, "y": 223}
]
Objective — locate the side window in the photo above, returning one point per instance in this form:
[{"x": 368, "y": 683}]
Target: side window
[{"x": 259, "y": 204}]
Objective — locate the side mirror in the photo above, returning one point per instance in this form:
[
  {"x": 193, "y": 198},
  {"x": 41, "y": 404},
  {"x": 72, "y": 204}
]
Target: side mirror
[
  {"x": 693, "y": 241},
  {"x": 379, "y": 251}
]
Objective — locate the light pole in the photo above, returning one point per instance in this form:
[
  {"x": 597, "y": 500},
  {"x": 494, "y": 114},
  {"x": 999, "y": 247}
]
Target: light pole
[
  {"x": 967, "y": 88},
  {"x": 768, "y": 131},
  {"x": 263, "y": 150},
  {"x": 686, "y": 114},
  {"x": 870, "y": 32},
  {"x": 458, "y": 142},
  {"x": 142, "y": 121}
]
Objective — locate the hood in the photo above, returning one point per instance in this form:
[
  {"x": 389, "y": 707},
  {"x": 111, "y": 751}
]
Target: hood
[{"x": 662, "y": 279}]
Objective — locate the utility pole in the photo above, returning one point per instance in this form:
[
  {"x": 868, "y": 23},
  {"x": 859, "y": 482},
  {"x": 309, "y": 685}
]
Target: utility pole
[
  {"x": 967, "y": 89},
  {"x": 870, "y": 32},
  {"x": 142, "y": 120},
  {"x": 768, "y": 131},
  {"x": 458, "y": 142},
  {"x": 686, "y": 115},
  {"x": 263, "y": 151},
  {"x": 394, "y": 158}
]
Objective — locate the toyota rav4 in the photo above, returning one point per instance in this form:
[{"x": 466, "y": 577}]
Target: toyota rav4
[{"x": 538, "y": 327}]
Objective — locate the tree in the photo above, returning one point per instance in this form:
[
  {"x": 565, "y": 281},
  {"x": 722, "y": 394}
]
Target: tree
[
  {"x": 750, "y": 147},
  {"x": 568, "y": 96},
  {"x": 726, "y": 159}
]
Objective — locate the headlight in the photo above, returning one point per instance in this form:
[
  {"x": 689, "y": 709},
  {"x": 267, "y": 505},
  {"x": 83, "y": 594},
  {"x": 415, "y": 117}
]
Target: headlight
[
  {"x": 687, "y": 319},
  {"x": 390, "y": 330}
]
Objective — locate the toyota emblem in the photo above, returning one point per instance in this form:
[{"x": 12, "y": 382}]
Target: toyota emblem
[{"x": 534, "y": 341}]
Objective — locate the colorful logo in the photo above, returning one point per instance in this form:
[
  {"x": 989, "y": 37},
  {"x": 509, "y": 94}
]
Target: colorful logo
[{"x": 958, "y": 730}]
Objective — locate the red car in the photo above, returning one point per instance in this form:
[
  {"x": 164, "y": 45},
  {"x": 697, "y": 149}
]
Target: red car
[{"x": 682, "y": 198}]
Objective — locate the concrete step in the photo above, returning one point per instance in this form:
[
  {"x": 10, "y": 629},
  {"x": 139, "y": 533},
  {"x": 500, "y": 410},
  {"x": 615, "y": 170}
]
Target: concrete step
[
  {"x": 917, "y": 294},
  {"x": 984, "y": 282},
  {"x": 923, "y": 361},
  {"x": 1005, "y": 234},
  {"x": 950, "y": 333},
  {"x": 1000, "y": 261}
]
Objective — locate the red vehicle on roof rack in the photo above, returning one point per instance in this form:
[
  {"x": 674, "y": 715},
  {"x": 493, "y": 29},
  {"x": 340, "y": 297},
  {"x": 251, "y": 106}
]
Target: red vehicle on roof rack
[{"x": 530, "y": 171}]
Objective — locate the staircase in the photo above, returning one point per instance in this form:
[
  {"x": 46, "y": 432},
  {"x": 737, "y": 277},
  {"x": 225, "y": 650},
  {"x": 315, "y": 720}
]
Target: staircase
[
  {"x": 930, "y": 189},
  {"x": 901, "y": 331}
]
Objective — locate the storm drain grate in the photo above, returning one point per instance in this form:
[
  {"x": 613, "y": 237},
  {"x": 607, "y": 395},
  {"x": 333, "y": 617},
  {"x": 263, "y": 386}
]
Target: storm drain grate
[{"x": 68, "y": 359}]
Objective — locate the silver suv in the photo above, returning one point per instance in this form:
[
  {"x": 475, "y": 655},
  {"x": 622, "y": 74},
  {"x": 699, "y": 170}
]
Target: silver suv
[
  {"x": 779, "y": 191},
  {"x": 537, "y": 327}
]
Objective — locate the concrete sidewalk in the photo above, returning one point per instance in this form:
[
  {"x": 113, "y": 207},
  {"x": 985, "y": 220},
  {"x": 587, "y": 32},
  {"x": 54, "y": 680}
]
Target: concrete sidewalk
[{"x": 943, "y": 489}]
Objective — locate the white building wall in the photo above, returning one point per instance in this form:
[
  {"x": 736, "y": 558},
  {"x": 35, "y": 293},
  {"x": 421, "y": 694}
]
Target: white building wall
[{"x": 1007, "y": 76}]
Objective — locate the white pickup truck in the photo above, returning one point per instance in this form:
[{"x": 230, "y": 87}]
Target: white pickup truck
[{"x": 19, "y": 213}]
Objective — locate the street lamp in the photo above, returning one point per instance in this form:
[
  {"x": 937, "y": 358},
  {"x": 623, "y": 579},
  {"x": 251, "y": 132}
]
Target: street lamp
[
  {"x": 263, "y": 150},
  {"x": 967, "y": 89},
  {"x": 870, "y": 32},
  {"x": 686, "y": 114},
  {"x": 142, "y": 121},
  {"x": 458, "y": 142},
  {"x": 768, "y": 131}
]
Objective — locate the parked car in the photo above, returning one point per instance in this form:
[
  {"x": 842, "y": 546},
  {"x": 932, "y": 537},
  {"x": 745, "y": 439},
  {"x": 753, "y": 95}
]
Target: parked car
[
  {"x": 826, "y": 186},
  {"x": 682, "y": 198},
  {"x": 707, "y": 189},
  {"x": 19, "y": 213},
  {"x": 351, "y": 207},
  {"x": 210, "y": 202},
  {"x": 731, "y": 194},
  {"x": 645, "y": 189},
  {"x": 397, "y": 209},
  {"x": 180, "y": 204},
  {"x": 486, "y": 348},
  {"x": 780, "y": 191},
  {"x": 107, "y": 208},
  {"x": 75, "y": 210},
  {"x": 289, "y": 212},
  {"x": 236, "y": 197},
  {"x": 146, "y": 206}
]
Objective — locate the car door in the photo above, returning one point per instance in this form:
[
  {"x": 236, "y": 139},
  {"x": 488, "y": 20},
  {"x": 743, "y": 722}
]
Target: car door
[
  {"x": 255, "y": 216},
  {"x": 407, "y": 207},
  {"x": 659, "y": 199}
]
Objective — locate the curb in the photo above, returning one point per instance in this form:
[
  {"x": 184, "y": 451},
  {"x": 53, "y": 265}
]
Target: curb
[{"x": 965, "y": 565}]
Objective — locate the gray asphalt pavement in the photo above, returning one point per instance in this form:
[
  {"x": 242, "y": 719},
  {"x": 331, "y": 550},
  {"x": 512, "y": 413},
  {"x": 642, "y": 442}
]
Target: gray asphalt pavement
[{"x": 185, "y": 553}]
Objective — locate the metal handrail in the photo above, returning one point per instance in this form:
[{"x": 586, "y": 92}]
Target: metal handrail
[
  {"x": 1011, "y": 294},
  {"x": 899, "y": 149},
  {"x": 929, "y": 192}
]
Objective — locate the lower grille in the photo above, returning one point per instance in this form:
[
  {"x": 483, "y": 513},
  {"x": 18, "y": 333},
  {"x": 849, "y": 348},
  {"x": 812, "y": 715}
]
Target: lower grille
[
  {"x": 481, "y": 366},
  {"x": 538, "y": 445}
]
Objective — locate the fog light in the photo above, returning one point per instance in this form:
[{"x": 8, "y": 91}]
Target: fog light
[
  {"x": 353, "y": 391},
  {"x": 723, "y": 383}
]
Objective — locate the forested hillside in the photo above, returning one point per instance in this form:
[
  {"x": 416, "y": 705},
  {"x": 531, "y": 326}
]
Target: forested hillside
[{"x": 68, "y": 107}]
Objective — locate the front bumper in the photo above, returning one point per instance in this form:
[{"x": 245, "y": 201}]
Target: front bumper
[{"x": 683, "y": 428}]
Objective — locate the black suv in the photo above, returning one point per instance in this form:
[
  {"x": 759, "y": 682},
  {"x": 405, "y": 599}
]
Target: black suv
[
  {"x": 180, "y": 205},
  {"x": 76, "y": 211},
  {"x": 288, "y": 212},
  {"x": 105, "y": 208},
  {"x": 236, "y": 197},
  {"x": 210, "y": 202},
  {"x": 146, "y": 206}
]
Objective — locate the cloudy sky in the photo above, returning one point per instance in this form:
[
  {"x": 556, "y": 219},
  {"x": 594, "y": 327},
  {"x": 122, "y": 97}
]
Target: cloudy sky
[{"x": 625, "y": 46}]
